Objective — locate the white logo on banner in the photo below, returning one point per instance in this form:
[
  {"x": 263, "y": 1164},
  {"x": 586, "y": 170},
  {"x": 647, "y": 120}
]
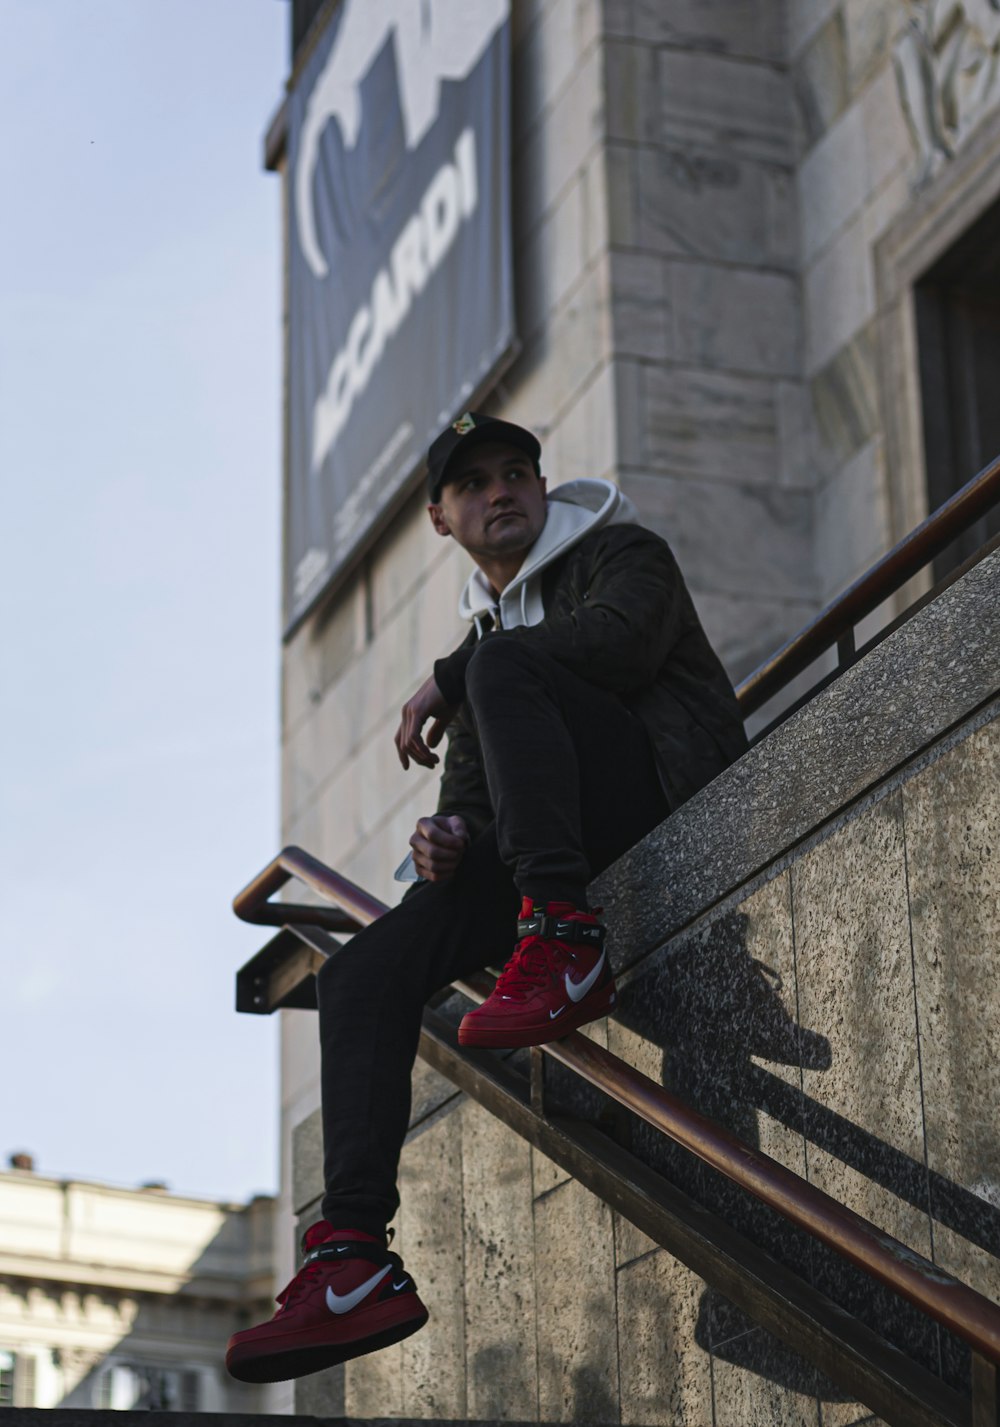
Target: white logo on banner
[{"x": 434, "y": 40}]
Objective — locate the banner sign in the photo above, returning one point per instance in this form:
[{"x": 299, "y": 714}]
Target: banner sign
[{"x": 400, "y": 297}]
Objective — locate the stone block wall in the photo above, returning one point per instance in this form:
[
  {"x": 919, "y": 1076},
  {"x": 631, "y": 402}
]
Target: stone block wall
[
  {"x": 348, "y": 670},
  {"x": 894, "y": 99},
  {"x": 818, "y": 975},
  {"x": 713, "y": 211},
  {"x": 702, "y": 141}
]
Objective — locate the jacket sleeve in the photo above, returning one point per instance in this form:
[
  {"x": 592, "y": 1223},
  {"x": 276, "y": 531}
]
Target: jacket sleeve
[
  {"x": 619, "y": 634},
  {"x": 463, "y": 783}
]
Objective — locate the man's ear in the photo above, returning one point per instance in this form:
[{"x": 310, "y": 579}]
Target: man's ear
[{"x": 437, "y": 520}]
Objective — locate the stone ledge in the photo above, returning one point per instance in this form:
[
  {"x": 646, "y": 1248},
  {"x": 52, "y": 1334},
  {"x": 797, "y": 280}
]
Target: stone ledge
[
  {"x": 83, "y": 1417},
  {"x": 920, "y": 682}
]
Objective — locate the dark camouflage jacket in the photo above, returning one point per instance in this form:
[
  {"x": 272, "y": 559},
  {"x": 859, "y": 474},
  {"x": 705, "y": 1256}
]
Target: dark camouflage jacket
[{"x": 619, "y": 614}]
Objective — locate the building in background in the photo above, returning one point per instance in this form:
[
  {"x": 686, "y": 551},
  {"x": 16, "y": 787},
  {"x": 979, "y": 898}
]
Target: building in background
[
  {"x": 125, "y": 1298},
  {"x": 754, "y": 279}
]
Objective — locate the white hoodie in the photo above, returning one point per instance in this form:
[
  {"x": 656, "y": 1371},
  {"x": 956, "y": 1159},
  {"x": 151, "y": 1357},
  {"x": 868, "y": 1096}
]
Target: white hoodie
[{"x": 573, "y": 511}]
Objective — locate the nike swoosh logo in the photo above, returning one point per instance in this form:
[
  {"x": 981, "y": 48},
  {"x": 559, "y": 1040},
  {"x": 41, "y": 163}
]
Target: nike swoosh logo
[
  {"x": 400, "y": 1286},
  {"x": 576, "y": 990},
  {"x": 344, "y": 1302},
  {"x": 553, "y": 1014}
]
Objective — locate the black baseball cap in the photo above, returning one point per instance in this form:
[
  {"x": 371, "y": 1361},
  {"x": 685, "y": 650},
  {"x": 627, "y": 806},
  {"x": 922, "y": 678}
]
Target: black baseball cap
[{"x": 473, "y": 429}]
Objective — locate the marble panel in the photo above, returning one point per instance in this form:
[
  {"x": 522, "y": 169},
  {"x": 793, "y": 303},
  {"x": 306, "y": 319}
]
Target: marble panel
[
  {"x": 616, "y": 17},
  {"x": 430, "y": 1090},
  {"x": 373, "y": 1385},
  {"x": 579, "y": 340},
  {"x": 551, "y": 261},
  {"x": 863, "y": 1120},
  {"x": 622, "y": 169},
  {"x": 845, "y": 401},
  {"x": 630, "y": 1242},
  {"x": 770, "y": 1015},
  {"x": 803, "y": 18},
  {"x": 402, "y": 558},
  {"x": 853, "y": 513},
  {"x": 700, "y": 519},
  {"x": 796, "y": 434},
  {"x": 889, "y": 139},
  {"x": 751, "y": 29},
  {"x": 761, "y": 1383},
  {"x": 307, "y": 1162},
  {"x": 556, "y": 150},
  {"x": 575, "y": 1312},
  {"x": 499, "y": 1270},
  {"x": 746, "y": 629},
  {"x": 430, "y": 1182},
  {"x": 542, "y": 64},
  {"x": 666, "y": 1377},
  {"x": 632, "y": 79},
  {"x": 596, "y": 203},
  {"x": 820, "y": 78},
  {"x": 870, "y": 27},
  {"x": 839, "y": 295},
  {"x": 736, "y": 319},
  {"x": 640, "y": 308},
  {"x": 952, "y": 812},
  {"x": 546, "y": 1175},
  {"x": 715, "y": 204},
  {"x": 847, "y": 1414},
  {"x": 320, "y": 1394},
  {"x": 833, "y": 181},
  {"x": 587, "y": 445},
  {"x": 707, "y": 425},
  {"x": 729, "y": 104},
  {"x": 629, "y": 381}
]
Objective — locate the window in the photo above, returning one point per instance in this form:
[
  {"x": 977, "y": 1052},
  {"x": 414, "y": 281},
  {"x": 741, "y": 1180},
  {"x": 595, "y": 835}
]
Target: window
[
  {"x": 958, "y": 334},
  {"x": 17, "y": 1379},
  {"x": 8, "y": 1363},
  {"x": 122, "y": 1387}
]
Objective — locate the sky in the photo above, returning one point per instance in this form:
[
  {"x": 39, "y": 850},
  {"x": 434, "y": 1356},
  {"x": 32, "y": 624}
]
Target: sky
[{"x": 139, "y": 557}]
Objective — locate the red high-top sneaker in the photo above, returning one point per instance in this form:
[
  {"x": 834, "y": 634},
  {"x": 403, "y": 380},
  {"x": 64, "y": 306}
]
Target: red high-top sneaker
[
  {"x": 557, "y": 979},
  {"x": 351, "y": 1296}
]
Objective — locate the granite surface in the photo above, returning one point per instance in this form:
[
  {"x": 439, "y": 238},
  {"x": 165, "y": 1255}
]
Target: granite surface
[
  {"x": 500, "y": 1322},
  {"x": 665, "y": 1375},
  {"x": 430, "y": 1183},
  {"x": 952, "y": 819},
  {"x": 917, "y": 684},
  {"x": 575, "y": 1290}
]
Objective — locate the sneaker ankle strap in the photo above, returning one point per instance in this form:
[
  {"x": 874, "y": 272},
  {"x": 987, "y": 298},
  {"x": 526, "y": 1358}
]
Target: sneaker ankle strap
[
  {"x": 559, "y": 929},
  {"x": 339, "y": 1252}
]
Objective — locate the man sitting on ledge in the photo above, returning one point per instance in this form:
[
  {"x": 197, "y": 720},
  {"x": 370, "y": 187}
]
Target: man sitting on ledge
[{"x": 585, "y": 705}]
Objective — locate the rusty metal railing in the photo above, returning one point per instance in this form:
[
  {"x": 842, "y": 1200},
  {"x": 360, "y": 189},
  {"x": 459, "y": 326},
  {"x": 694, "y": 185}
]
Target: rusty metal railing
[
  {"x": 836, "y": 624},
  {"x": 959, "y": 1308}
]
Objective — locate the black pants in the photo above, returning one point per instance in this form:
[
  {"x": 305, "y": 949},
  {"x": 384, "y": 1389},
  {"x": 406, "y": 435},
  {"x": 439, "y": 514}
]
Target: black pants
[{"x": 573, "y": 784}]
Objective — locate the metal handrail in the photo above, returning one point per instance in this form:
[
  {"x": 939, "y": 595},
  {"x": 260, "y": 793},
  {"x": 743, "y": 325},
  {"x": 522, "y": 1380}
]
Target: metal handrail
[
  {"x": 961, "y": 1309},
  {"x": 884, "y": 578}
]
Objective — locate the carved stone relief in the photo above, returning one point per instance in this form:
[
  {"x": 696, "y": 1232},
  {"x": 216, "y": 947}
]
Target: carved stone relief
[{"x": 948, "y": 69}]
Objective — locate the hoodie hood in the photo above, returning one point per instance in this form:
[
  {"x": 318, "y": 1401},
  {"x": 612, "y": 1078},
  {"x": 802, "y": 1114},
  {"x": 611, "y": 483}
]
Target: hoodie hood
[{"x": 573, "y": 511}]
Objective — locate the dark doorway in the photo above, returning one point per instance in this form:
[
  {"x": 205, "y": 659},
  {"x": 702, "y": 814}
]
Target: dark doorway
[{"x": 958, "y": 337}]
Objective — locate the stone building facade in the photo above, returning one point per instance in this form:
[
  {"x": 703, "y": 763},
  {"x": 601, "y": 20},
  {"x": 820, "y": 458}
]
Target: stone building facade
[
  {"x": 125, "y": 1298},
  {"x": 736, "y": 224}
]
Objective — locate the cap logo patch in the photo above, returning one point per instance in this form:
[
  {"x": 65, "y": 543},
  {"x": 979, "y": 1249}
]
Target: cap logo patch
[{"x": 463, "y": 424}]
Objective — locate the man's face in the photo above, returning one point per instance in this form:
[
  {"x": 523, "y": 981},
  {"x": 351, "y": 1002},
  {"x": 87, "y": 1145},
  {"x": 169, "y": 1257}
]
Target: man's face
[{"x": 493, "y": 503}]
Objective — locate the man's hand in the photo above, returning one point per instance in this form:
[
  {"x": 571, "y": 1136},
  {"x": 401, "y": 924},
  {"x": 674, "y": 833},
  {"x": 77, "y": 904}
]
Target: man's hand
[
  {"x": 439, "y": 845},
  {"x": 426, "y": 703}
]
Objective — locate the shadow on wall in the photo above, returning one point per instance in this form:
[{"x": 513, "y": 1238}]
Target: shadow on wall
[{"x": 710, "y": 1008}]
